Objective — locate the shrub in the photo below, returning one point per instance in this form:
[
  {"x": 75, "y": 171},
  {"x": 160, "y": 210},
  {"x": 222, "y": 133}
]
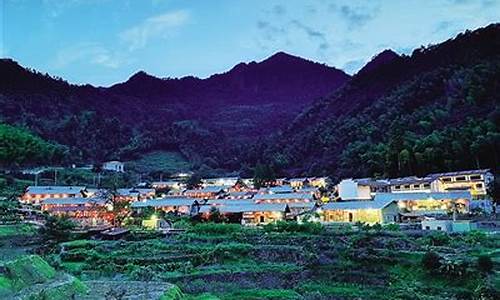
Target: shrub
[
  {"x": 431, "y": 261},
  {"x": 292, "y": 226},
  {"x": 215, "y": 229},
  {"x": 453, "y": 268},
  {"x": 392, "y": 227},
  {"x": 485, "y": 264},
  {"x": 475, "y": 237},
  {"x": 438, "y": 239}
]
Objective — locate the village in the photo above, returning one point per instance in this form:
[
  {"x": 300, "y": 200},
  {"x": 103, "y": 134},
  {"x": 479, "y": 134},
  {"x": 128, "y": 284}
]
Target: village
[{"x": 450, "y": 202}]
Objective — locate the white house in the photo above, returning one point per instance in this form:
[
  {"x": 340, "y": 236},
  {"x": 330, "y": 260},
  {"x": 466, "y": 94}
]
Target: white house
[
  {"x": 361, "y": 188},
  {"x": 114, "y": 165}
]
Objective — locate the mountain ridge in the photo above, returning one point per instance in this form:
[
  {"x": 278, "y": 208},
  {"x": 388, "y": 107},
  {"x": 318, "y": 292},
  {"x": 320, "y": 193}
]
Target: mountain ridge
[{"x": 433, "y": 110}]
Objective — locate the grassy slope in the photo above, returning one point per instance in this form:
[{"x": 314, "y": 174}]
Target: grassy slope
[
  {"x": 168, "y": 162},
  {"x": 251, "y": 264}
]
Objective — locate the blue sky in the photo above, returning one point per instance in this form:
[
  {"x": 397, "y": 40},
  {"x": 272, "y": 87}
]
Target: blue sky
[{"x": 105, "y": 41}]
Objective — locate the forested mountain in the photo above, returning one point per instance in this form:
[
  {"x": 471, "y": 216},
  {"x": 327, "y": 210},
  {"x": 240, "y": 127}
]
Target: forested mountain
[
  {"x": 204, "y": 119},
  {"x": 435, "y": 110}
]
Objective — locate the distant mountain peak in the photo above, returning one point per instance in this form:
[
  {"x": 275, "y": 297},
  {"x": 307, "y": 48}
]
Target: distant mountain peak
[
  {"x": 378, "y": 60},
  {"x": 141, "y": 75}
]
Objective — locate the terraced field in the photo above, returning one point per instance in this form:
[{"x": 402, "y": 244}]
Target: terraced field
[{"x": 231, "y": 262}]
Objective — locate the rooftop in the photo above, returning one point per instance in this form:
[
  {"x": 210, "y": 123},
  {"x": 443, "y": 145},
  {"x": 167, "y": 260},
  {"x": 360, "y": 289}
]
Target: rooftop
[
  {"x": 74, "y": 201},
  {"x": 55, "y": 189},
  {"x": 353, "y": 205},
  {"x": 422, "y": 196},
  {"x": 162, "y": 202},
  {"x": 246, "y": 208},
  {"x": 466, "y": 172},
  {"x": 295, "y": 196}
]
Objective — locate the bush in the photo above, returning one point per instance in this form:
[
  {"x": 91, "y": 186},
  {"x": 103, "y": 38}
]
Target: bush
[
  {"x": 453, "y": 268},
  {"x": 438, "y": 239},
  {"x": 292, "y": 226},
  {"x": 215, "y": 229},
  {"x": 484, "y": 264},
  {"x": 431, "y": 261},
  {"x": 392, "y": 227}
]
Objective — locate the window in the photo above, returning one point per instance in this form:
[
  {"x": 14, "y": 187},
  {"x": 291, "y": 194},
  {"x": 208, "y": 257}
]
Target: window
[
  {"x": 397, "y": 187},
  {"x": 475, "y": 177},
  {"x": 479, "y": 185},
  {"x": 407, "y": 186},
  {"x": 427, "y": 185},
  {"x": 438, "y": 228},
  {"x": 447, "y": 179},
  {"x": 460, "y": 178},
  {"x": 416, "y": 186},
  {"x": 262, "y": 219},
  {"x": 427, "y": 228}
]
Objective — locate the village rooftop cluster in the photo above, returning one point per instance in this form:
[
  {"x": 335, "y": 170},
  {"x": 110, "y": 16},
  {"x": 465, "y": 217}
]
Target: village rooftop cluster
[{"x": 435, "y": 202}]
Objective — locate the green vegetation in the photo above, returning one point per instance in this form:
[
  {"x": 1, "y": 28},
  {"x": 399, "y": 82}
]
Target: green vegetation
[
  {"x": 16, "y": 230},
  {"x": 58, "y": 229},
  {"x": 159, "y": 161},
  {"x": 443, "y": 119},
  {"x": 29, "y": 270},
  {"x": 20, "y": 147},
  {"x": 295, "y": 261},
  {"x": 30, "y": 277}
]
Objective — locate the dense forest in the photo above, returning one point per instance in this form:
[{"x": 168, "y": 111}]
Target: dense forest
[
  {"x": 18, "y": 146},
  {"x": 206, "y": 120},
  {"x": 434, "y": 110}
]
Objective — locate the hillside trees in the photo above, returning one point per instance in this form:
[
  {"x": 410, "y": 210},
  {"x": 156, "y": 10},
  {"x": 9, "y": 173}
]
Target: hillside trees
[{"x": 19, "y": 147}]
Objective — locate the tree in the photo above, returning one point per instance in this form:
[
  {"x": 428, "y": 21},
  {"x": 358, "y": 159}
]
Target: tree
[
  {"x": 494, "y": 191},
  {"x": 484, "y": 264},
  {"x": 194, "y": 181},
  {"x": 58, "y": 229},
  {"x": 263, "y": 175},
  {"x": 431, "y": 261},
  {"x": 215, "y": 215}
]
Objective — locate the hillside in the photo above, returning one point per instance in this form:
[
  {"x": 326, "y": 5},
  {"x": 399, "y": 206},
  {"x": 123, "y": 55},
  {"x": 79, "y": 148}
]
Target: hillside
[
  {"x": 437, "y": 109},
  {"x": 145, "y": 113},
  {"x": 434, "y": 110}
]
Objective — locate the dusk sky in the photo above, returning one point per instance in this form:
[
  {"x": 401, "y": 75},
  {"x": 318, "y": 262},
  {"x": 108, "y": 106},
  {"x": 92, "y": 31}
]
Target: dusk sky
[{"x": 105, "y": 41}]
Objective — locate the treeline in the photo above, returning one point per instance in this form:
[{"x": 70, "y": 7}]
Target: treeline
[{"x": 19, "y": 147}]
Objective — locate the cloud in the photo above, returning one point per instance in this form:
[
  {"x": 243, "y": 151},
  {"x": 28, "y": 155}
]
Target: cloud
[
  {"x": 279, "y": 10},
  {"x": 156, "y": 26},
  {"x": 313, "y": 34},
  {"x": 87, "y": 52},
  {"x": 355, "y": 16}
]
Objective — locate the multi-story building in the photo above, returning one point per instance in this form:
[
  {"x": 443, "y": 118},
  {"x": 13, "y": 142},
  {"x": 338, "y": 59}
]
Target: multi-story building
[
  {"x": 36, "y": 194},
  {"x": 475, "y": 181},
  {"x": 361, "y": 188}
]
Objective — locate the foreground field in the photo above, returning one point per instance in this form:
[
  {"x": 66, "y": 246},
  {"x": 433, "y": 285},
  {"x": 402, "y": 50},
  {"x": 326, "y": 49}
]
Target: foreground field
[{"x": 292, "y": 262}]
